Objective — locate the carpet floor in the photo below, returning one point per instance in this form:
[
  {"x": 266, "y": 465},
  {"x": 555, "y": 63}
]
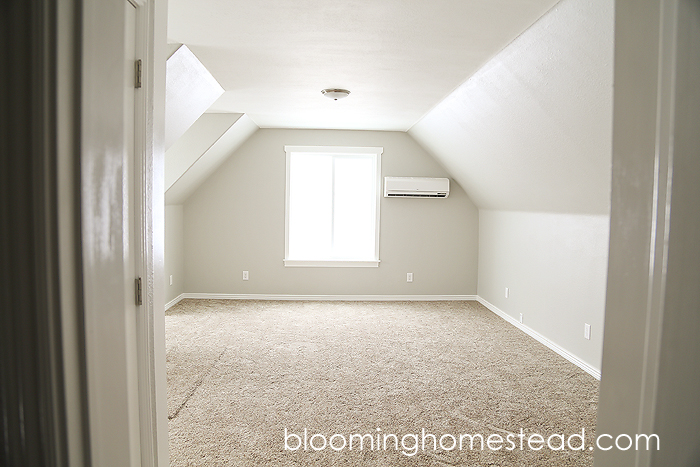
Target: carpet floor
[{"x": 404, "y": 382}]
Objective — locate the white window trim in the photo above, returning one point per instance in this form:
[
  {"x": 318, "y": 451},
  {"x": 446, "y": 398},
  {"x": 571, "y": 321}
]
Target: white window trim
[{"x": 335, "y": 150}]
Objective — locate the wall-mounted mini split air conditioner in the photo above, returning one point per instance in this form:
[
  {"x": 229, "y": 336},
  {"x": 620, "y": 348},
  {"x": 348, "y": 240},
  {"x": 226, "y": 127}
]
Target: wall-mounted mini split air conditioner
[{"x": 416, "y": 187}]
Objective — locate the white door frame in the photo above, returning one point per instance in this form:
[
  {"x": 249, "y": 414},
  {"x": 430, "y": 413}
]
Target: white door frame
[{"x": 150, "y": 319}]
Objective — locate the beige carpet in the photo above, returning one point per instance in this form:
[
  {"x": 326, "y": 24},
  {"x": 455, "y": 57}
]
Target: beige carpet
[{"x": 241, "y": 372}]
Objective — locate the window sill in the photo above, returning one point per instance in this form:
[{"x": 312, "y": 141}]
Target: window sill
[{"x": 300, "y": 263}]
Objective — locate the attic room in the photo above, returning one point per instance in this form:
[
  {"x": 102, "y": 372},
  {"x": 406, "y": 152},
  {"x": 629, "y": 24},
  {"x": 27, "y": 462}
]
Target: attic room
[
  {"x": 519, "y": 121},
  {"x": 525, "y": 139},
  {"x": 350, "y": 233}
]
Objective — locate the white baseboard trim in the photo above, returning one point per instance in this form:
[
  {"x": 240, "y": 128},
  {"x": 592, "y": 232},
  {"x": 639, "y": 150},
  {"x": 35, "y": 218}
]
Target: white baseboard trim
[
  {"x": 348, "y": 298},
  {"x": 174, "y": 301},
  {"x": 540, "y": 338}
]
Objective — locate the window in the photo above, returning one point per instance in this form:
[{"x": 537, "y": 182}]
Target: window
[{"x": 332, "y": 210}]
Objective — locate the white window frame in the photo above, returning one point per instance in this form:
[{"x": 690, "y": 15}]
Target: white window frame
[{"x": 340, "y": 151}]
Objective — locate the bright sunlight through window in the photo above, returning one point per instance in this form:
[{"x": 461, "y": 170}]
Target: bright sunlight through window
[{"x": 332, "y": 216}]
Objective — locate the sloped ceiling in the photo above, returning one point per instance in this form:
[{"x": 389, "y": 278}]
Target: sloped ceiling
[
  {"x": 201, "y": 150},
  {"x": 189, "y": 91},
  {"x": 519, "y": 113},
  {"x": 532, "y": 130},
  {"x": 398, "y": 58},
  {"x": 196, "y": 141}
]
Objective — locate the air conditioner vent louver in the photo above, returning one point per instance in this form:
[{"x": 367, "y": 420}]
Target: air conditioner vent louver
[
  {"x": 416, "y": 187},
  {"x": 416, "y": 195}
]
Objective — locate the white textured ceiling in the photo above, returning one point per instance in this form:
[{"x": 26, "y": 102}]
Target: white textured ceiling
[{"x": 399, "y": 58}]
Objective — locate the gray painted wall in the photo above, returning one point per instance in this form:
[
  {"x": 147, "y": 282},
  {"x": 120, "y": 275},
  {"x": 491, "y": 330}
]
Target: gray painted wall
[
  {"x": 235, "y": 222},
  {"x": 554, "y": 266},
  {"x": 174, "y": 251}
]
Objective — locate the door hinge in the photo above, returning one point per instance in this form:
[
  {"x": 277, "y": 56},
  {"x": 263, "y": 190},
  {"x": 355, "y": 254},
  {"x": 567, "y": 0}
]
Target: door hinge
[
  {"x": 139, "y": 292},
  {"x": 138, "y": 70}
]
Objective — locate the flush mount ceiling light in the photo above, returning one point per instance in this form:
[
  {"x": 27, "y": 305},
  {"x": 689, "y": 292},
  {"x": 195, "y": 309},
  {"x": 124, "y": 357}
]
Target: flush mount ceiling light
[{"x": 335, "y": 94}]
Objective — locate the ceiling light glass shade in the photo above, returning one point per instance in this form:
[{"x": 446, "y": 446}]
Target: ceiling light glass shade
[{"x": 335, "y": 94}]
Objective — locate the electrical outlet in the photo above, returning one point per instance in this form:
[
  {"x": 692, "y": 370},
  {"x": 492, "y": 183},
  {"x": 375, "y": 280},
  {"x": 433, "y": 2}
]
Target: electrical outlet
[
  {"x": 171, "y": 279},
  {"x": 521, "y": 318},
  {"x": 507, "y": 292},
  {"x": 245, "y": 275},
  {"x": 409, "y": 277},
  {"x": 587, "y": 331}
]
